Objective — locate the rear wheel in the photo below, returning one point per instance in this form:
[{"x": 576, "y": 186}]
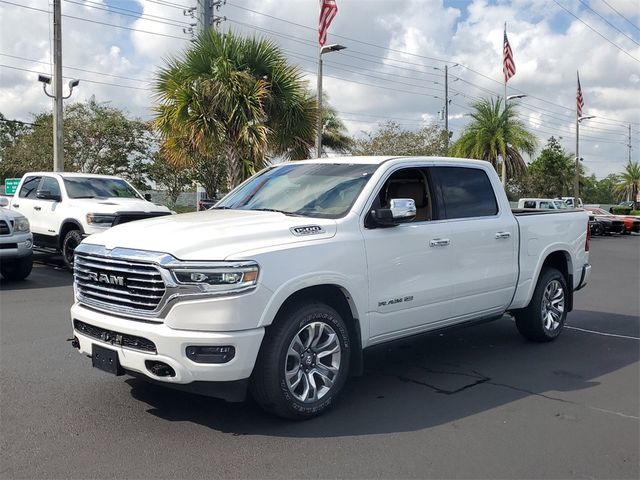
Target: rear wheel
[
  {"x": 71, "y": 240},
  {"x": 18, "y": 269},
  {"x": 597, "y": 230},
  {"x": 542, "y": 320},
  {"x": 303, "y": 362}
]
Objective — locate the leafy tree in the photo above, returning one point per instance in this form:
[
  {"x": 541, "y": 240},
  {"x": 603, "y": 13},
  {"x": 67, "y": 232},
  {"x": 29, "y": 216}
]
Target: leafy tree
[
  {"x": 98, "y": 138},
  {"x": 391, "y": 139},
  {"x": 211, "y": 174},
  {"x": 234, "y": 98},
  {"x": 496, "y": 132},
  {"x": 593, "y": 190},
  {"x": 552, "y": 173},
  {"x": 170, "y": 177},
  {"x": 629, "y": 182}
]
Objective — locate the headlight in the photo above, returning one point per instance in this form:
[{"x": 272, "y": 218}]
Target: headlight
[
  {"x": 219, "y": 279},
  {"x": 21, "y": 224},
  {"x": 100, "y": 219}
]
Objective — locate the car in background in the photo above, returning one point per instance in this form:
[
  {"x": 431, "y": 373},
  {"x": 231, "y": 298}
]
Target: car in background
[
  {"x": 607, "y": 224},
  {"x": 542, "y": 203},
  {"x": 16, "y": 244},
  {"x": 570, "y": 201}
]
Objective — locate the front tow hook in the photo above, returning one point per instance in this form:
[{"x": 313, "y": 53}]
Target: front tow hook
[{"x": 75, "y": 343}]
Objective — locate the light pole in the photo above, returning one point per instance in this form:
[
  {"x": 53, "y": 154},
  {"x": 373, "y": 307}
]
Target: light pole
[
  {"x": 322, "y": 51},
  {"x": 504, "y": 160},
  {"x": 58, "y": 138},
  {"x": 576, "y": 179},
  {"x": 446, "y": 99}
]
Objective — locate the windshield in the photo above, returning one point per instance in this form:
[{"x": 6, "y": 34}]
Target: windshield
[
  {"x": 599, "y": 211},
  {"x": 92, "y": 187},
  {"x": 313, "y": 190}
]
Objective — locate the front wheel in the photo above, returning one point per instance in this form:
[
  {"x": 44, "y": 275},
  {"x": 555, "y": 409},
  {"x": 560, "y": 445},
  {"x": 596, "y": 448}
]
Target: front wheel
[
  {"x": 71, "y": 240},
  {"x": 18, "y": 269},
  {"x": 303, "y": 362},
  {"x": 542, "y": 320}
]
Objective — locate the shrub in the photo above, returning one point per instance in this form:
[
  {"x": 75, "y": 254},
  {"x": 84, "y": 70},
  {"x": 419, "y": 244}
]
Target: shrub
[
  {"x": 620, "y": 210},
  {"x": 635, "y": 212}
]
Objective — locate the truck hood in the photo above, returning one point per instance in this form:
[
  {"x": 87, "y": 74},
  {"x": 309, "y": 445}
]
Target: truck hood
[
  {"x": 214, "y": 234},
  {"x": 6, "y": 214},
  {"x": 116, "y": 204}
]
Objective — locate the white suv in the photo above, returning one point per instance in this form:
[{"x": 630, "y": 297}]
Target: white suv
[{"x": 63, "y": 208}]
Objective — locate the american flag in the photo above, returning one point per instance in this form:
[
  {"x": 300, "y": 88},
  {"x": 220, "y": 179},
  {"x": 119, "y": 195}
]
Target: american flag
[
  {"x": 328, "y": 10},
  {"x": 579, "y": 99},
  {"x": 508, "y": 65}
]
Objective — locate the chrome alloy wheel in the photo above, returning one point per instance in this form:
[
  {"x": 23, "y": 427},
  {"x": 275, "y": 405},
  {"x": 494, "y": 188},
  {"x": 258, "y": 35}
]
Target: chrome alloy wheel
[
  {"x": 552, "y": 305},
  {"x": 313, "y": 362}
]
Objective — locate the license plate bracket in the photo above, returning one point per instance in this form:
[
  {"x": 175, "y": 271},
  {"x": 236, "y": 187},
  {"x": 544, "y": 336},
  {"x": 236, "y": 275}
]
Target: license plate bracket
[{"x": 105, "y": 359}]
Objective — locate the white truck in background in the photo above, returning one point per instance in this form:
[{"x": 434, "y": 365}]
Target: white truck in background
[
  {"x": 63, "y": 208},
  {"x": 283, "y": 283}
]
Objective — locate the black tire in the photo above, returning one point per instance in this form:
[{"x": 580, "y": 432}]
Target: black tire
[
  {"x": 71, "y": 240},
  {"x": 17, "y": 269},
  {"x": 269, "y": 385},
  {"x": 598, "y": 230},
  {"x": 531, "y": 321}
]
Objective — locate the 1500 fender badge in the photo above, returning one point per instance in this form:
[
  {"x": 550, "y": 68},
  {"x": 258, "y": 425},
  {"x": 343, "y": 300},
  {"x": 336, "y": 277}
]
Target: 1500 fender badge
[
  {"x": 307, "y": 230},
  {"x": 393, "y": 301}
]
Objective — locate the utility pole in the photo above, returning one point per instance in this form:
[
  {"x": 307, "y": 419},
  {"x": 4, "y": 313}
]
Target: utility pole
[
  {"x": 446, "y": 104},
  {"x": 629, "y": 144},
  {"x": 206, "y": 16},
  {"x": 58, "y": 127}
]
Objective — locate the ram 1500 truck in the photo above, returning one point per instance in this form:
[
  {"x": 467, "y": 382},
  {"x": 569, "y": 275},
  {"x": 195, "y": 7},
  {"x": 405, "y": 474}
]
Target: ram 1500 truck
[
  {"x": 65, "y": 207},
  {"x": 283, "y": 283}
]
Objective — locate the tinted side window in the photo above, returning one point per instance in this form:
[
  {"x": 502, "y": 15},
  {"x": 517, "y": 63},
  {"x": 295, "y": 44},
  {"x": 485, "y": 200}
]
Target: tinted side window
[
  {"x": 29, "y": 187},
  {"x": 529, "y": 204},
  {"x": 50, "y": 184},
  {"x": 546, "y": 205},
  {"x": 466, "y": 192}
]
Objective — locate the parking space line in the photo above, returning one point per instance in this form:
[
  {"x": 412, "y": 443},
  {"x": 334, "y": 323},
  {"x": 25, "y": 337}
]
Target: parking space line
[{"x": 601, "y": 333}]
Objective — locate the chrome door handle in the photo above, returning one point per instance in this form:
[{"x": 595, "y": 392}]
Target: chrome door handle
[
  {"x": 439, "y": 242},
  {"x": 37, "y": 208},
  {"x": 500, "y": 235},
  {"x": 15, "y": 205}
]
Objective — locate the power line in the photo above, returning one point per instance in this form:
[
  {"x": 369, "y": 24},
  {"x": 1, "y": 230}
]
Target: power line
[
  {"x": 167, "y": 4},
  {"x": 96, "y": 21},
  {"x": 625, "y": 18},
  {"x": 75, "y": 68},
  {"x": 596, "y": 31},
  {"x": 83, "y": 79},
  {"x": 138, "y": 16},
  {"x": 609, "y": 23}
]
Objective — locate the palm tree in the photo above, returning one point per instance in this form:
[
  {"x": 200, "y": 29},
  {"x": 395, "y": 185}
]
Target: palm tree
[
  {"x": 496, "y": 132},
  {"x": 234, "y": 98},
  {"x": 334, "y": 132},
  {"x": 629, "y": 182}
]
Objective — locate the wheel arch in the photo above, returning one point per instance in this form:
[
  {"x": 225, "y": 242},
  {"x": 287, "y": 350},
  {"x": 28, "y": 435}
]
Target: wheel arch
[
  {"x": 67, "y": 225},
  {"x": 561, "y": 261},
  {"x": 337, "y": 297}
]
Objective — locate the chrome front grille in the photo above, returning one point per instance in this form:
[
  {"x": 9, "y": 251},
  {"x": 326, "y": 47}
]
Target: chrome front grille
[{"x": 118, "y": 285}]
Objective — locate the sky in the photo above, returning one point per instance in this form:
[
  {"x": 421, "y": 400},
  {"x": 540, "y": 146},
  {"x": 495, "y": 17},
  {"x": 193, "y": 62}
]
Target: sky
[{"x": 392, "y": 68}]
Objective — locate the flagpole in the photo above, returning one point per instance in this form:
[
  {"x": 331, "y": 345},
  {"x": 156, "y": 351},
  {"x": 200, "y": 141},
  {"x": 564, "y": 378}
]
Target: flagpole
[{"x": 504, "y": 159}]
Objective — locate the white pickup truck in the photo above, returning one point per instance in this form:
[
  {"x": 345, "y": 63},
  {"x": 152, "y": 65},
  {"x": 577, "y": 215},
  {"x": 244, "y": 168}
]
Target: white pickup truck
[
  {"x": 287, "y": 279},
  {"x": 62, "y": 208}
]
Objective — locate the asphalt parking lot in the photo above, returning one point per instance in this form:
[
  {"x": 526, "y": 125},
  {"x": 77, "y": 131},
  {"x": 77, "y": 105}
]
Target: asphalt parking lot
[{"x": 478, "y": 402}]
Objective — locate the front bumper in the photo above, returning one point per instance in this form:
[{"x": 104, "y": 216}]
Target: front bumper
[
  {"x": 171, "y": 347},
  {"x": 16, "y": 246}
]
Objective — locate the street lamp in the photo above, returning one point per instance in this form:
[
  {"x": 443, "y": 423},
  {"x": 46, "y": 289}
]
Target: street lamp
[
  {"x": 324, "y": 49},
  {"x": 576, "y": 180},
  {"x": 504, "y": 160},
  {"x": 58, "y": 139}
]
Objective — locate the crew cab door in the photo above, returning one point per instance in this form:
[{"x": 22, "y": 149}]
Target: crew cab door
[
  {"x": 24, "y": 199},
  {"x": 484, "y": 241},
  {"x": 410, "y": 280},
  {"x": 48, "y": 198}
]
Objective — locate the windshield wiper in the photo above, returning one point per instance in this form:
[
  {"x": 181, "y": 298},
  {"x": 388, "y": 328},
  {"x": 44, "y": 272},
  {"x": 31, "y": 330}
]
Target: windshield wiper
[
  {"x": 293, "y": 214},
  {"x": 85, "y": 196},
  {"x": 221, "y": 207}
]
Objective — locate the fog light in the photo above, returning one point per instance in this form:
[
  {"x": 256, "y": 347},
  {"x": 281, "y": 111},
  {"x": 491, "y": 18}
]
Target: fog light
[
  {"x": 210, "y": 354},
  {"x": 27, "y": 244}
]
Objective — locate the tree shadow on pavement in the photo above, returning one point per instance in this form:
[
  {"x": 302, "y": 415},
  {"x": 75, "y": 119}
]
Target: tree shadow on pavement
[{"x": 426, "y": 381}]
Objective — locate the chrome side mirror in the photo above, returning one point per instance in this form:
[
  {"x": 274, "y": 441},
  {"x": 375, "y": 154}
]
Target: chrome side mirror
[
  {"x": 403, "y": 209},
  {"x": 4, "y": 201}
]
